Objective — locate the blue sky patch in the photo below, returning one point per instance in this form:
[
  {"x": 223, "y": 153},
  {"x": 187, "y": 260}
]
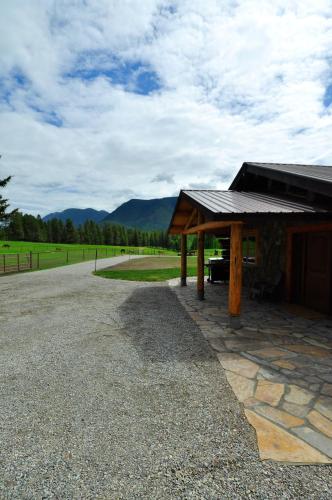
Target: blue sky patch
[
  {"x": 133, "y": 76},
  {"x": 327, "y": 99},
  {"x": 46, "y": 116},
  {"x": 5, "y": 92},
  {"x": 15, "y": 80},
  {"x": 19, "y": 79}
]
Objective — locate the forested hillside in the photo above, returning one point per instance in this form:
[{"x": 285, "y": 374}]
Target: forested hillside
[
  {"x": 149, "y": 215},
  {"x": 29, "y": 228}
]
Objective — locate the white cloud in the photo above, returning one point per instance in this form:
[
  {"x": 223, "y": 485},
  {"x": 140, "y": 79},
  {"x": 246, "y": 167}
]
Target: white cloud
[{"x": 240, "y": 81}]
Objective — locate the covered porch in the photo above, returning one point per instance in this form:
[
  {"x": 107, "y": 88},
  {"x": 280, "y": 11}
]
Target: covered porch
[{"x": 242, "y": 217}]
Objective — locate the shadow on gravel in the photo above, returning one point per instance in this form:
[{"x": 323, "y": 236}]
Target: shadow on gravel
[{"x": 160, "y": 328}]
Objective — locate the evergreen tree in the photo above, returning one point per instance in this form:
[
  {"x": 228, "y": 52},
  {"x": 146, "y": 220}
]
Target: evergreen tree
[
  {"x": 4, "y": 215},
  {"x": 48, "y": 230},
  {"x": 15, "y": 229},
  {"x": 80, "y": 234},
  {"x": 42, "y": 229},
  {"x": 70, "y": 233},
  {"x": 61, "y": 231},
  {"x": 107, "y": 234},
  {"x": 55, "y": 231},
  {"x": 31, "y": 228}
]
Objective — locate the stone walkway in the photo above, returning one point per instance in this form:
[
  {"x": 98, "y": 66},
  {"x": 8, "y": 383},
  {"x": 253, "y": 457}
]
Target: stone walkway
[{"x": 279, "y": 366}]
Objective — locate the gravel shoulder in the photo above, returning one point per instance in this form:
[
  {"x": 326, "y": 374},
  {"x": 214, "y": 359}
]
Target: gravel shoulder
[{"x": 109, "y": 390}]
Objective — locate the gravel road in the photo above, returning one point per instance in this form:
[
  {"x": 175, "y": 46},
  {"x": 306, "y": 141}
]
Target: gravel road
[{"x": 109, "y": 390}]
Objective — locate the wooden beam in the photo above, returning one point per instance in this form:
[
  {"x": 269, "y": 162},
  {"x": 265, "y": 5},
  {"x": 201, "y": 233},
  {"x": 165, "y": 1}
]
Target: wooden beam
[
  {"x": 180, "y": 220},
  {"x": 235, "y": 277},
  {"x": 308, "y": 228},
  {"x": 191, "y": 218},
  {"x": 200, "y": 265},
  {"x": 210, "y": 225},
  {"x": 174, "y": 229},
  {"x": 183, "y": 259}
]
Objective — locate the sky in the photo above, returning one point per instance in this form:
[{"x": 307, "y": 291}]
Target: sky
[{"x": 102, "y": 101}]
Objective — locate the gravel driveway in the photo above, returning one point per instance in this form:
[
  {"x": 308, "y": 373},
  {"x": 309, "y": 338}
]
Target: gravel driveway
[{"x": 109, "y": 390}]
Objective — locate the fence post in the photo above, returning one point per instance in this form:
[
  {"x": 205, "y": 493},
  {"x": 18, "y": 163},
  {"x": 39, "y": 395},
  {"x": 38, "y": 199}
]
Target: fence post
[
  {"x": 96, "y": 257},
  {"x": 37, "y": 260},
  {"x": 83, "y": 254},
  {"x": 18, "y": 262},
  {"x": 30, "y": 260},
  {"x": 4, "y": 263},
  {"x": 67, "y": 256}
]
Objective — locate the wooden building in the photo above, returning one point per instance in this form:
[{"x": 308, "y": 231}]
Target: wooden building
[{"x": 279, "y": 220}]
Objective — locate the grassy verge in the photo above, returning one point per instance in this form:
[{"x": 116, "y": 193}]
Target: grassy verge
[
  {"x": 149, "y": 269},
  {"x": 144, "y": 274}
]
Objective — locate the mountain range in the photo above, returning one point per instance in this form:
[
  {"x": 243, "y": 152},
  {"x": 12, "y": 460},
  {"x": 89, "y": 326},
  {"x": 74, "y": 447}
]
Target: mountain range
[
  {"x": 78, "y": 215},
  {"x": 150, "y": 215}
]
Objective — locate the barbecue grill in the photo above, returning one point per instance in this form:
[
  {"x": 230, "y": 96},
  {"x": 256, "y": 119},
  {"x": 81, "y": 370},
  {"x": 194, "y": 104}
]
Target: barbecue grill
[{"x": 218, "y": 269}]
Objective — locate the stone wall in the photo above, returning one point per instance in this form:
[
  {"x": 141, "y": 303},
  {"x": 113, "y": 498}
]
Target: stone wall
[{"x": 272, "y": 255}]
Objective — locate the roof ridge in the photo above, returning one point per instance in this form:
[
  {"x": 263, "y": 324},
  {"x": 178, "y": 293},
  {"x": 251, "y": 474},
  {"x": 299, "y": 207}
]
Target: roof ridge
[{"x": 287, "y": 164}]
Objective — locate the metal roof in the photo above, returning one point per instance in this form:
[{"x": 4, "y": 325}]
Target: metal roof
[
  {"x": 240, "y": 202},
  {"x": 317, "y": 172}
]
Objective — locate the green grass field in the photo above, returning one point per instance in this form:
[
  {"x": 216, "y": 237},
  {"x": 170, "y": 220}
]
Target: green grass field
[
  {"x": 26, "y": 256},
  {"x": 18, "y": 256},
  {"x": 8, "y": 247},
  {"x": 149, "y": 269}
]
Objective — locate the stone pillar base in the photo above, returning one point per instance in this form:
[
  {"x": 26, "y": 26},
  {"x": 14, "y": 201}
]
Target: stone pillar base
[{"x": 235, "y": 322}]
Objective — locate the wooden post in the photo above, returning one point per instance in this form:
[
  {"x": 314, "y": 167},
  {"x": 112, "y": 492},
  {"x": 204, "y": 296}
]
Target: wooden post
[
  {"x": 200, "y": 265},
  {"x": 183, "y": 259},
  {"x": 289, "y": 251},
  {"x": 235, "y": 277}
]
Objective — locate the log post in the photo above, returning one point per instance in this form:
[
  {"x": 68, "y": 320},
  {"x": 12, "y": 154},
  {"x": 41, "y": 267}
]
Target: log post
[
  {"x": 235, "y": 276},
  {"x": 183, "y": 259},
  {"x": 289, "y": 251},
  {"x": 200, "y": 265}
]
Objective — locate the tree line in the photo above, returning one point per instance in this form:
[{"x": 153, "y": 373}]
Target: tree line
[{"x": 26, "y": 227}]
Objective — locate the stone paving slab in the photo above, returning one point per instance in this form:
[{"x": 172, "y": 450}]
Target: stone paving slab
[{"x": 279, "y": 366}]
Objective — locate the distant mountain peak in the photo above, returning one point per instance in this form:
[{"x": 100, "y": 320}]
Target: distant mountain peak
[
  {"x": 150, "y": 215},
  {"x": 78, "y": 215}
]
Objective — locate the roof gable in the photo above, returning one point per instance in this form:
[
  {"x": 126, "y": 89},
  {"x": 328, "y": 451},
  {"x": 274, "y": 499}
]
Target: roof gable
[
  {"x": 312, "y": 178},
  {"x": 261, "y": 190}
]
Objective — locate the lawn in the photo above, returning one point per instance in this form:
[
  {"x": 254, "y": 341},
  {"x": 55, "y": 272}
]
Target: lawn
[
  {"x": 7, "y": 247},
  {"x": 27, "y": 256},
  {"x": 30, "y": 256},
  {"x": 149, "y": 269}
]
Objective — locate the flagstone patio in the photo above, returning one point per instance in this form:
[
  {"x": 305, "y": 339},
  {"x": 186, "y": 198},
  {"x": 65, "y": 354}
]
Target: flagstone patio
[{"x": 279, "y": 365}]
